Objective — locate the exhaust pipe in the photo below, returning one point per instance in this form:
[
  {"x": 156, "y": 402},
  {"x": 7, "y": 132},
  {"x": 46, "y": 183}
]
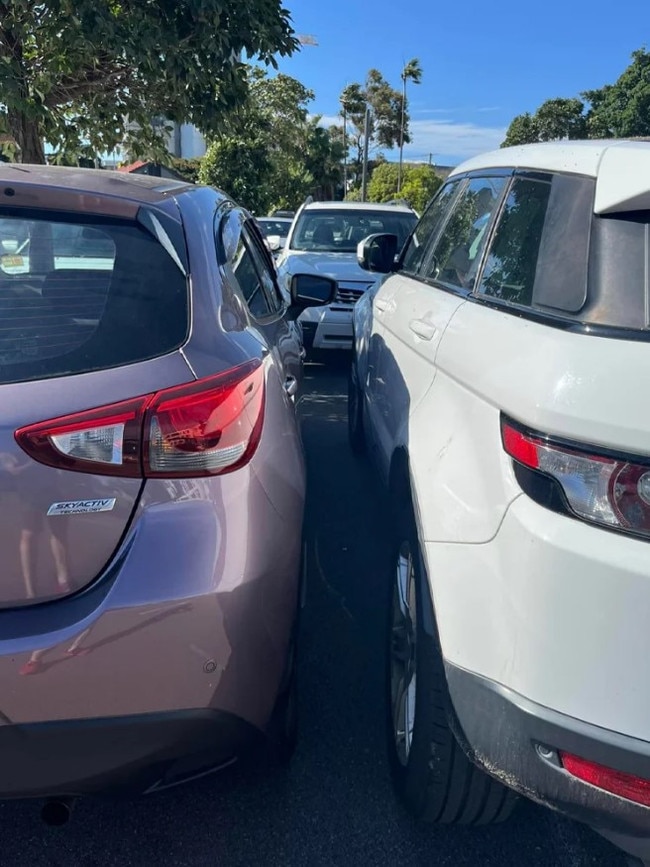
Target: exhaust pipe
[{"x": 57, "y": 811}]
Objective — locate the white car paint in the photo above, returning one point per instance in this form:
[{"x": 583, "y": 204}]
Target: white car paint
[
  {"x": 551, "y": 607},
  {"x": 332, "y": 324}
]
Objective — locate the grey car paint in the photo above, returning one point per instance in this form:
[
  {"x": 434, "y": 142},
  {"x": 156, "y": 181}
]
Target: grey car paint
[{"x": 183, "y": 596}]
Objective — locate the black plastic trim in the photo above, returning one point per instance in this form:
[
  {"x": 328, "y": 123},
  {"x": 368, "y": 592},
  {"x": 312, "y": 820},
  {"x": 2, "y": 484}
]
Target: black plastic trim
[
  {"x": 502, "y": 731},
  {"x": 120, "y": 755},
  {"x": 308, "y": 334},
  {"x": 542, "y": 489},
  {"x": 571, "y": 325}
]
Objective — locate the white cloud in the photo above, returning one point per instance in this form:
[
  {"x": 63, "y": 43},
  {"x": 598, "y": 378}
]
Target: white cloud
[
  {"x": 329, "y": 120},
  {"x": 451, "y": 140}
]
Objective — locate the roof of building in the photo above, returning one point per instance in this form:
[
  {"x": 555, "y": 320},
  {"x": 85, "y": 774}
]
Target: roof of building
[{"x": 132, "y": 167}]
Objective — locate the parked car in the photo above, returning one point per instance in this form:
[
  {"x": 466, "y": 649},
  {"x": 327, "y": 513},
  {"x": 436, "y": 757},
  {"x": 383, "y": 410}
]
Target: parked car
[
  {"x": 275, "y": 231},
  {"x": 323, "y": 240},
  {"x": 497, "y": 382},
  {"x": 151, "y": 484}
]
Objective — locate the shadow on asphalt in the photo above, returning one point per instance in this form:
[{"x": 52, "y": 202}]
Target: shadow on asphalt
[{"x": 335, "y": 805}]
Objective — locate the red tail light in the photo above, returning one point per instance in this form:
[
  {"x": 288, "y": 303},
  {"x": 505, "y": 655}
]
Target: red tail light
[
  {"x": 618, "y": 783},
  {"x": 204, "y": 428},
  {"x": 610, "y": 490}
]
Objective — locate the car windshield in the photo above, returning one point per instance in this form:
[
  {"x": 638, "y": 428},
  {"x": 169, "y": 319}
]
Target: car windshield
[
  {"x": 272, "y": 226},
  {"x": 340, "y": 230}
]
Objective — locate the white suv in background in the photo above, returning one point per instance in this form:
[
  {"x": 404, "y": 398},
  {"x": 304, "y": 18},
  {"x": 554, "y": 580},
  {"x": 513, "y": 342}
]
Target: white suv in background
[
  {"x": 323, "y": 240},
  {"x": 500, "y": 381}
]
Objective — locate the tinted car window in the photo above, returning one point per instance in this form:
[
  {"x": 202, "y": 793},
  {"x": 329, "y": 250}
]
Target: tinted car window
[
  {"x": 509, "y": 272},
  {"x": 264, "y": 270},
  {"x": 457, "y": 252},
  {"x": 619, "y": 271},
  {"x": 244, "y": 265},
  {"x": 77, "y": 297},
  {"x": 561, "y": 277},
  {"x": 271, "y": 226},
  {"x": 335, "y": 230},
  {"x": 427, "y": 229}
]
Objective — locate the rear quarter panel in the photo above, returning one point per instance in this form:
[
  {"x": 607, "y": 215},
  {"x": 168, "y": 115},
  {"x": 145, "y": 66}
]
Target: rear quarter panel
[{"x": 572, "y": 385}]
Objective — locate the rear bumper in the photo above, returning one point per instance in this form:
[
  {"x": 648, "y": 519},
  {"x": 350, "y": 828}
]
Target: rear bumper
[
  {"x": 516, "y": 741},
  {"x": 120, "y": 754}
]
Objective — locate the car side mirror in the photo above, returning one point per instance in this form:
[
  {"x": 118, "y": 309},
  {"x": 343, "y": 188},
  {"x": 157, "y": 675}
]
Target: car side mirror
[
  {"x": 310, "y": 290},
  {"x": 377, "y": 253},
  {"x": 274, "y": 243}
]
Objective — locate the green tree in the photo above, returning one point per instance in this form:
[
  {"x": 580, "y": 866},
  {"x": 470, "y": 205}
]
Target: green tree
[
  {"x": 622, "y": 109},
  {"x": 522, "y": 130},
  {"x": 88, "y": 75},
  {"x": 295, "y": 155},
  {"x": 412, "y": 71},
  {"x": 561, "y": 119},
  {"x": 189, "y": 169},
  {"x": 419, "y": 184},
  {"x": 241, "y": 168},
  {"x": 323, "y": 158},
  {"x": 555, "y": 119},
  {"x": 389, "y": 117}
]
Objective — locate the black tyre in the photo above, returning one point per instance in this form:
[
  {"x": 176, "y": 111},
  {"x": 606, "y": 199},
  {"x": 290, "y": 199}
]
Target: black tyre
[
  {"x": 356, "y": 434},
  {"x": 431, "y": 774},
  {"x": 282, "y": 730}
]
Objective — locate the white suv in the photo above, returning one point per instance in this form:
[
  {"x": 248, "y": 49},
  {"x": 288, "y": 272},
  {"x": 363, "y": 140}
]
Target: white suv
[
  {"x": 323, "y": 240},
  {"x": 498, "y": 382}
]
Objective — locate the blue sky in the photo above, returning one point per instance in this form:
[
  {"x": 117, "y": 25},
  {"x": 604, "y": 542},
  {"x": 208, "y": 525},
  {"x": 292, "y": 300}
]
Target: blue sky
[{"x": 483, "y": 62}]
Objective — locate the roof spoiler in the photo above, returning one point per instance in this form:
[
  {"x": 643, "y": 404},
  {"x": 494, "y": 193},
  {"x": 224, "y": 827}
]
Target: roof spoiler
[{"x": 622, "y": 183}]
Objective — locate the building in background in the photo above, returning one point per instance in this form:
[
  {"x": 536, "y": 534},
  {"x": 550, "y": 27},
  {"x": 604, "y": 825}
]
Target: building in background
[{"x": 186, "y": 142}]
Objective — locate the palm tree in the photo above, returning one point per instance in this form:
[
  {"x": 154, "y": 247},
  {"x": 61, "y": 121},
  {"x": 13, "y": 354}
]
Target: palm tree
[
  {"x": 352, "y": 104},
  {"x": 412, "y": 71}
]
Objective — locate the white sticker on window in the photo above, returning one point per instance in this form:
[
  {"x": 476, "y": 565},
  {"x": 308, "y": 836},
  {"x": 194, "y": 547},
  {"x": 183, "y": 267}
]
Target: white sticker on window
[{"x": 81, "y": 507}]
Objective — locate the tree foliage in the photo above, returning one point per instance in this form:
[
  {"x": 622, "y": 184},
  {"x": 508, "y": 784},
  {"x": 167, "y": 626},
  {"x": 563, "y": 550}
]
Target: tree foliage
[
  {"x": 240, "y": 167},
  {"x": 88, "y": 75},
  {"x": 385, "y": 104},
  {"x": 555, "y": 119},
  {"x": 285, "y": 154},
  {"x": 419, "y": 184},
  {"x": 622, "y": 109}
]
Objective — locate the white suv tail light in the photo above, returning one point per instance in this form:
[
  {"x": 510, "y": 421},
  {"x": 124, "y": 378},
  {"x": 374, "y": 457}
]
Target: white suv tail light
[{"x": 596, "y": 485}]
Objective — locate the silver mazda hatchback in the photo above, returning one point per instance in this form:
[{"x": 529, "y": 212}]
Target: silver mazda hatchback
[{"x": 151, "y": 482}]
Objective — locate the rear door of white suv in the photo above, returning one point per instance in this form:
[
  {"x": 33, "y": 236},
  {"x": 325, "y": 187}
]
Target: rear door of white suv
[{"x": 414, "y": 307}]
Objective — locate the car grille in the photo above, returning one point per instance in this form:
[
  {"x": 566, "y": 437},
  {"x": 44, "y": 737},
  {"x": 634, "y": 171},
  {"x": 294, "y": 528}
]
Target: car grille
[{"x": 349, "y": 293}]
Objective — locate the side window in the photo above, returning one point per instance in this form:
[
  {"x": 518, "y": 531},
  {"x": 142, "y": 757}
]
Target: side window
[
  {"x": 509, "y": 272},
  {"x": 427, "y": 228},
  {"x": 264, "y": 270},
  {"x": 458, "y": 251},
  {"x": 244, "y": 265}
]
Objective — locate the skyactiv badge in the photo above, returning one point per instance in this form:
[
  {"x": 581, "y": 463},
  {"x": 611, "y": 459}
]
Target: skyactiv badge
[{"x": 81, "y": 507}]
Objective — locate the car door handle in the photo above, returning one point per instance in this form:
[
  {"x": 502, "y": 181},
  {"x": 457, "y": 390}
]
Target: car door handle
[
  {"x": 423, "y": 329},
  {"x": 291, "y": 386},
  {"x": 381, "y": 306}
]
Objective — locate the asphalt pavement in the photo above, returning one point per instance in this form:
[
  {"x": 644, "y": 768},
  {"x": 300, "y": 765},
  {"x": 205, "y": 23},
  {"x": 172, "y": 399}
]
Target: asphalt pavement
[{"x": 334, "y": 806}]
